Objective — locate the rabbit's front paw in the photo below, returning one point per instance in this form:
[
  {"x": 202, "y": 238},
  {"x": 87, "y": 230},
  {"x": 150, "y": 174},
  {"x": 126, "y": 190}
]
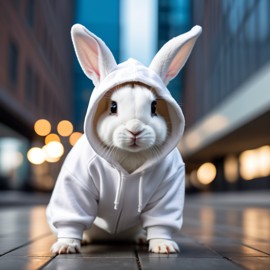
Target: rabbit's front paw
[
  {"x": 66, "y": 245},
  {"x": 140, "y": 239},
  {"x": 163, "y": 246}
]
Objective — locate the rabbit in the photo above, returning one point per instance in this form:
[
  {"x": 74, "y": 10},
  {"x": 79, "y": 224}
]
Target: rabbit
[
  {"x": 124, "y": 178},
  {"x": 131, "y": 128}
]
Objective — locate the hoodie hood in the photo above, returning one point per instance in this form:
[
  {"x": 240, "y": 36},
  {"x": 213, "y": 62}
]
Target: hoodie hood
[
  {"x": 100, "y": 66},
  {"x": 133, "y": 71}
]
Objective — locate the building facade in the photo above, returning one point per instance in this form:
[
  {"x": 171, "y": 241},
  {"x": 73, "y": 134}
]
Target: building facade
[
  {"x": 35, "y": 76},
  {"x": 174, "y": 18},
  {"x": 227, "y": 96},
  {"x": 101, "y": 18}
]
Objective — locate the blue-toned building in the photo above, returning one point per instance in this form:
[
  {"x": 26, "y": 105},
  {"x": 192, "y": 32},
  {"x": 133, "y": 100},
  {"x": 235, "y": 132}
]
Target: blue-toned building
[
  {"x": 226, "y": 94},
  {"x": 174, "y": 18},
  {"x": 101, "y": 18}
]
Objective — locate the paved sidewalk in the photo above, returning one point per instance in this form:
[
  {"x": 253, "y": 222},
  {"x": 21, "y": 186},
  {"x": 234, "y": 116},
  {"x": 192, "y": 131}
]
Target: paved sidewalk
[{"x": 221, "y": 231}]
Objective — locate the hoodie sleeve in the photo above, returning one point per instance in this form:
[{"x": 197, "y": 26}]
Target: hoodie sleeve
[
  {"x": 164, "y": 213},
  {"x": 73, "y": 204}
]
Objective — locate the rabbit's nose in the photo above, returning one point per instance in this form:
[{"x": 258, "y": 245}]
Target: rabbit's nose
[
  {"x": 135, "y": 127},
  {"x": 135, "y": 133}
]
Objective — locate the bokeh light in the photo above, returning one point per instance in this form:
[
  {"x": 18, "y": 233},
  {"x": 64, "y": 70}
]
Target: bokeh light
[
  {"x": 52, "y": 138},
  {"x": 53, "y": 150},
  {"x": 248, "y": 160},
  {"x": 206, "y": 173},
  {"x": 74, "y": 137},
  {"x": 264, "y": 160},
  {"x": 36, "y": 155},
  {"x": 51, "y": 159},
  {"x": 42, "y": 127},
  {"x": 255, "y": 163},
  {"x": 64, "y": 128},
  {"x": 231, "y": 168}
]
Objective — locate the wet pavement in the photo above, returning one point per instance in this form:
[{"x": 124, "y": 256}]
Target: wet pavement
[{"x": 220, "y": 231}]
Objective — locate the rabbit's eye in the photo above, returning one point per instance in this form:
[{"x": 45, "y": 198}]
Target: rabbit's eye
[
  {"x": 113, "y": 107},
  {"x": 153, "y": 108}
]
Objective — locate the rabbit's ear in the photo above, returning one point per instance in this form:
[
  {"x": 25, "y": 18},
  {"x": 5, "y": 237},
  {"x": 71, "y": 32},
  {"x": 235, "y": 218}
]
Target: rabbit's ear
[
  {"x": 94, "y": 56},
  {"x": 173, "y": 55}
]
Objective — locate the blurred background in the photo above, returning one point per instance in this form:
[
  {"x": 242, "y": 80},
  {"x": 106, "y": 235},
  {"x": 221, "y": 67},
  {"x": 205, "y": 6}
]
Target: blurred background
[{"x": 224, "y": 89}]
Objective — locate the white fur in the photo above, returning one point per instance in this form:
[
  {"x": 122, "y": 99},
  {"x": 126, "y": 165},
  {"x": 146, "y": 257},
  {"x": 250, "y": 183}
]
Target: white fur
[
  {"x": 134, "y": 110},
  {"x": 163, "y": 246},
  {"x": 66, "y": 245},
  {"x": 117, "y": 131},
  {"x": 69, "y": 245}
]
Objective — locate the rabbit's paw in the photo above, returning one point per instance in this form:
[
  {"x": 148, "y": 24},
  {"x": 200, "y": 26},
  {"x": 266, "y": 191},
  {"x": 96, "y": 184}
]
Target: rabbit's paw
[
  {"x": 140, "y": 238},
  {"x": 66, "y": 245},
  {"x": 163, "y": 246}
]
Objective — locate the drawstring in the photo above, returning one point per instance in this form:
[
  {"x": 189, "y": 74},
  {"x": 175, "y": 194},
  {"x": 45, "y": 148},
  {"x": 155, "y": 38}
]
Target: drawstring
[
  {"x": 117, "y": 195},
  {"x": 140, "y": 194},
  {"x": 118, "y": 190}
]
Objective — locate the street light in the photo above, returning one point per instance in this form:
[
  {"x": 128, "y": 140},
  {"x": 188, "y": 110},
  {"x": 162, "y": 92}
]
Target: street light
[
  {"x": 42, "y": 127},
  {"x": 64, "y": 128},
  {"x": 36, "y": 155}
]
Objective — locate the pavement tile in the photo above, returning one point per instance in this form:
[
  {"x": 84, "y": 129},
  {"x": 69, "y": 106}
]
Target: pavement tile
[
  {"x": 229, "y": 234},
  {"x": 253, "y": 263},
  {"x": 261, "y": 246},
  {"x": 69, "y": 263},
  {"x": 9, "y": 244},
  {"x": 188, "y": 249},
  {"x": 232, "y": 249},
  {"x": 38, "y": 248},
  {"x": 173, "y": 263},
  {"x": 104, "y": 251},
  {"x": 17, "y": 263}
]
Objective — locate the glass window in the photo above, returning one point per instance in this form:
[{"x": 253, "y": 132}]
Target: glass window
[
  {"x": 263, "y": 19},
  {"x": 36, "y": 91},
  {"x": 30, "y": 12},
  {"x": 13, "y": 63},
  {"x": 29, "y": 83}
]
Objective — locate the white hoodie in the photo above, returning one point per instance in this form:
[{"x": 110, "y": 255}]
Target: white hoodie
[{"x": 92, "y": 188}]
